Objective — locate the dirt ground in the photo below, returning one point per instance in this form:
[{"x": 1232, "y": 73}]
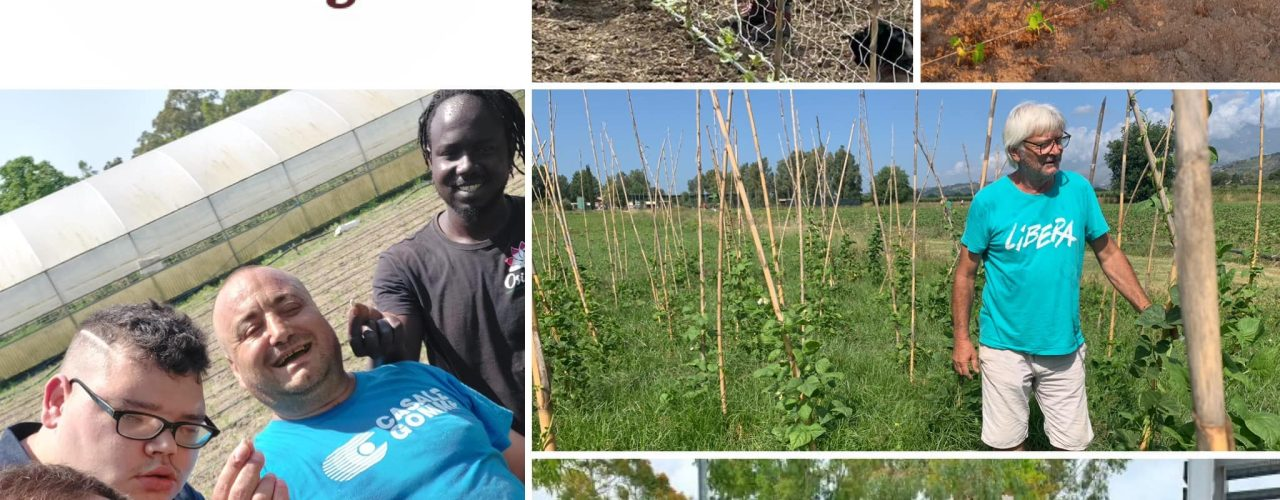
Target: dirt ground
[
  {"x": 334, "y": 269},
  {"x": 617, "y": 41},
  {"x": 1132, "y": 41}
]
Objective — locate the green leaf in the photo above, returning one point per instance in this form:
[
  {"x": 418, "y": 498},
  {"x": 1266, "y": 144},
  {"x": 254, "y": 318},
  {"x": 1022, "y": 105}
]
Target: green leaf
[
  {"x": 1265, "y": 425},
  {"x": 806, "y": 412},
  {"x": 1248, "y": 328},
  {"x": 810, "y": 385}
]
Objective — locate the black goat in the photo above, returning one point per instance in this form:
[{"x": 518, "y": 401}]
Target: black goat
[
  {"x": 893, "y": 48},
  {"x": 756, "y": 21}
]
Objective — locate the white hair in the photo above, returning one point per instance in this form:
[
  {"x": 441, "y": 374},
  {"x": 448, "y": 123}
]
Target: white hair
[{"x": 1028, "y": 119}]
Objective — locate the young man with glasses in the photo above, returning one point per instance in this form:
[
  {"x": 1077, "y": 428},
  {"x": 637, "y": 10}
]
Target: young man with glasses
[
  {"x": 127, "y": 405},
  {"x": 402, "y": 430},
  {"x": 1029, "y": 230}
]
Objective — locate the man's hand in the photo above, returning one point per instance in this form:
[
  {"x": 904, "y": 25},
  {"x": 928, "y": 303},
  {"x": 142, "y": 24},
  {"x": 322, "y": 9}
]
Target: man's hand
[
  {"x": 371, "y": 335},
  {"x": 964, "y": 358},
  {"x": 239, "y": 479}
]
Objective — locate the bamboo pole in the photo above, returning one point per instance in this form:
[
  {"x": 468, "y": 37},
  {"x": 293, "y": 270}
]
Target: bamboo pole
[
  {"x": 635, "y": 230},
  {"x": 1156, "y": 175},
  {"x": 564, "y": 224},
  {"x": 764, "y": 186},
  {"x": 986, "y": 153},
  {"x": 968, "y": 171},
  {"x": 800, "y": 188},
  {"x": 720, "y": 215},
  {"x": 835, "y": 214},
  {"x": 542, "y": 386},
  {"x": 755, "y": 234},
  {"x": 1257, "y": 210},
  {"x": 1097, "y": 141},
  {"x": 702, "y": 274},
  {"x": 887, "y": 248},
  {"x": 915, "y": 203},
  {"x": 1124, "y": 167},
  {"x": 1196, "y": 256}
]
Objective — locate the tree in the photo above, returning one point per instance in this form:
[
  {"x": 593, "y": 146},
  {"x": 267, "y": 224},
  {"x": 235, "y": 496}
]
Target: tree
[
  {"x": 911, "y": 478},
  {"x": 901, "y": 183},
  {"x": 600, "y": 479},
  {"x": 112, "y": 164},
  {"x": 186, "y": 111},
  {"x": 85, "y": 170},
  {"x": 583, "y": 184},
  {"x": 23, "y": 181},
  {"x": 1138, "y": 161}
]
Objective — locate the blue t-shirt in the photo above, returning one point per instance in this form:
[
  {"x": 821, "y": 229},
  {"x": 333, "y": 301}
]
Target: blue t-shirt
[
  {"x": 1033, "y": 248},
  {"x": 408, "y": 430}
]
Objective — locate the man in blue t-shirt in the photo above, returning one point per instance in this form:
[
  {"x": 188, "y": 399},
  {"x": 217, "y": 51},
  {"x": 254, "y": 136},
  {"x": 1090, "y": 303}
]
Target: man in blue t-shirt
[
  {"x": 403, "y": 430},
  {"x": 1030, "y": 229}
]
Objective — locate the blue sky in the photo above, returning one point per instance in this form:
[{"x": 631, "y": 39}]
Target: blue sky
[
  {"x": 64, "y": 127},
  {"x": 1147, "y": 479},
  {"x": 661, "y": 114}
]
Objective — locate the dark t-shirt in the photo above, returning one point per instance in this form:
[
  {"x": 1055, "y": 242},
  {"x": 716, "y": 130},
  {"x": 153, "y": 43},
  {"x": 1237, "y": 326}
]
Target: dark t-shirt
[
  {"x": 471, "y": 299},
  {"x": 13, "y": 454}
]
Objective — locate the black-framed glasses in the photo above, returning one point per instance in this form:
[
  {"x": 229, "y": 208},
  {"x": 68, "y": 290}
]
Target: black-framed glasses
[
  {"x": 145, "y": 426},
  {"x": 1042, "y": 147}
]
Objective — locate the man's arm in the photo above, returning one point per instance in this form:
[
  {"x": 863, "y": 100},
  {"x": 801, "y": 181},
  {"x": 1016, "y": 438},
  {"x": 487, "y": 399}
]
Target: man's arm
[
  {"x": 515, "y": 455},
  {"x": 1118, "y": 270},
  {"x": 964, "y": 357}
]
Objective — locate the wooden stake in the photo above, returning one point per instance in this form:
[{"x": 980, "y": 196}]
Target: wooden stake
[
  {"x": 542, "y": 386},
  {"x": 1196, "y": 256},
  {"x": 755, "y": 234},
  {"x": 986, "y": 153},
  {"x": 1097, "y": 139}
]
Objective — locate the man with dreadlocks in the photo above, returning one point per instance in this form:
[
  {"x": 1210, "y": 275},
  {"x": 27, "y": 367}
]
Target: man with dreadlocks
[{"x": 457, "y": 285}]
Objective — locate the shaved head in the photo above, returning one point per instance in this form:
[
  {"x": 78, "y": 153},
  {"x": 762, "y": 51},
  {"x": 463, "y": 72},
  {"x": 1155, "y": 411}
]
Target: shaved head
[{"x": 280, "y": 346}]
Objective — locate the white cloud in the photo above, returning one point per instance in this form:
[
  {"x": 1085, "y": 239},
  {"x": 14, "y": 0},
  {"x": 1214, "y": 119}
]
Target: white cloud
[
  {"x": 1237, "y": 111},
  {"x": 683, "y": 474},
  {"x": 1083, "y": 109}
]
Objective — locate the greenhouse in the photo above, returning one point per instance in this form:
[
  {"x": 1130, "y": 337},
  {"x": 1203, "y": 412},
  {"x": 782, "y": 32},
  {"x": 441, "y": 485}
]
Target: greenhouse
[{"x": 173, "y": 219}]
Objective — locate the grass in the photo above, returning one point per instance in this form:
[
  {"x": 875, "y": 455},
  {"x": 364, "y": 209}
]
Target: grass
[{"x": 632, "y": 398}]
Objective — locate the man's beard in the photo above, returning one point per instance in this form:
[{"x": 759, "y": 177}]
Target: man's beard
[{"x": 468, "y": 213}]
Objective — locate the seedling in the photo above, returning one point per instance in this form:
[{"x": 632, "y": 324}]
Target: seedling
[
  {"x": 1101, "y": 5},
  {"x": 1036, "y": 21},
  {"x": 976, "y": 54}
]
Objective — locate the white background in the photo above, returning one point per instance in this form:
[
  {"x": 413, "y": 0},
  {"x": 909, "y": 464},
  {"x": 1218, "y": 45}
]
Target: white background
[{"x": 264, "y": 44}]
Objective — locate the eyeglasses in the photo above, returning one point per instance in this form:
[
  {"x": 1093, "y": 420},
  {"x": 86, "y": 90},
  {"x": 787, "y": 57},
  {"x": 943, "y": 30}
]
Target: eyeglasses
[
  {"x": 1043, "y": 147},
  {"x": 145, "y": 426}
]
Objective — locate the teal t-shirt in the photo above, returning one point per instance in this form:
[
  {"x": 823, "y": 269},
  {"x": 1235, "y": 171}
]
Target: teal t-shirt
[
  {"x": 408, "y": 430},
  {"x": 1033, "y": 246}
]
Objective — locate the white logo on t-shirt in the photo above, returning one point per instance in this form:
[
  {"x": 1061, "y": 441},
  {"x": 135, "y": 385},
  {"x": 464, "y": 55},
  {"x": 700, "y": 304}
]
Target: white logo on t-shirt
[{"x": 350, "y": 459}]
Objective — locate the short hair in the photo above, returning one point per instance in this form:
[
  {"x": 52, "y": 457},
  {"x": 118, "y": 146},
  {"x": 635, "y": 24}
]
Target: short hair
[
  {"x": 158, "y": 332},
  {"x": 1028, "y": 119},
  {"x": 52, "y": 482},
  {"x": 499, "y": 102}
]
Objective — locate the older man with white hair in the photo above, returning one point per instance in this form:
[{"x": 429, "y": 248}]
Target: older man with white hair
[{"x": 1029, "y": 229}]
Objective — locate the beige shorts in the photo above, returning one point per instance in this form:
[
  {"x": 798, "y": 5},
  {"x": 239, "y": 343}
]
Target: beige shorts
[{"x": 1008, "y": 380}]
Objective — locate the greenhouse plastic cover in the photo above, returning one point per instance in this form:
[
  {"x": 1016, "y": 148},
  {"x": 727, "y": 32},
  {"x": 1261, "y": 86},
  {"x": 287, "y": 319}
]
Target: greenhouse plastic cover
[{"x": 78, "y": 234}]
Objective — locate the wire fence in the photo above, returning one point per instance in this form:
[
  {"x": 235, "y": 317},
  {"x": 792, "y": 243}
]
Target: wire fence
[{"x": 813, "y": 40}]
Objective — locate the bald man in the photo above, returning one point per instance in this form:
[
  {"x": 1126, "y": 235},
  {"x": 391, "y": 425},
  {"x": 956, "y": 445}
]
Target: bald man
[
  {"x": 126, "y": 406},
  {"x": 403, "y": 430}
]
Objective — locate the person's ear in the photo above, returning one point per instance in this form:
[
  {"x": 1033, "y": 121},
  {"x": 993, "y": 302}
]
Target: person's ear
[
  {"x": 56, "y": 392},
  {"x": 1013, "y": 154}
]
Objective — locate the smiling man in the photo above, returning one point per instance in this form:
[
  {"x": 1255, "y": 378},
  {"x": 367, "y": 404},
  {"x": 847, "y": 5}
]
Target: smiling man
[
  {"x": 1029, "y": 229},
  {"x": 403, "y": 430},
  {"x": 127, "y": 405},
  {"x": 457, "y": 285}
]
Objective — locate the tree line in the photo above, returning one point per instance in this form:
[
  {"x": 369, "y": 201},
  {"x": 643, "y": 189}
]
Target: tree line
[{"x": 24, "y": 180}]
